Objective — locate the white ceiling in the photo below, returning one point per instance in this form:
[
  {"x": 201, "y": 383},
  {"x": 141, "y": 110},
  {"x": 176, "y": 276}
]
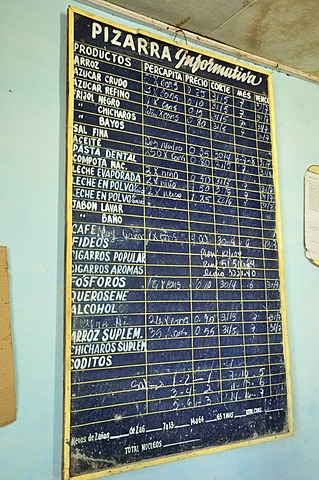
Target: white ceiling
[{"x": 282, "y": 31}]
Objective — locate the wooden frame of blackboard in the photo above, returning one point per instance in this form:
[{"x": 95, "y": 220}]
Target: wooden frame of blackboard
[{"x": 68, "y": 264}]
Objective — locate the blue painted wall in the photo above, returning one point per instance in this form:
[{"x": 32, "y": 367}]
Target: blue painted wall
[{"x": 32, "y": 175}]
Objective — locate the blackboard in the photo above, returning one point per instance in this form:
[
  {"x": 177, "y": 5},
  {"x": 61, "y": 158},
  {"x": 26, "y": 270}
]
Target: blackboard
[{"x": 175, "y": 312}]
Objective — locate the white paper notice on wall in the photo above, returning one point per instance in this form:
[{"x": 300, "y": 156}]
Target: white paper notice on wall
[{"x": 311, "y": 222}]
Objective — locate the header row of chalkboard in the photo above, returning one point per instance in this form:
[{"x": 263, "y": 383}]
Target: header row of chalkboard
[{"x": 118, "y": 46}]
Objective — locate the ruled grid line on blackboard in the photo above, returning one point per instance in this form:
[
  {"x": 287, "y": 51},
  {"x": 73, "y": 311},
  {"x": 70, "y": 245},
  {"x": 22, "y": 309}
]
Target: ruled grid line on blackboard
[
  {"x": 159, "y": 236},
  {"x": 221, "y": 158},
  {"x": 263, "y": 221},
  {"x": 218, "y": 392},
  {"x": 189, "y": 337},
  {"x": 178, "y": 340},
  {"x": 216, "y": 256},
  {"x": 239, "y": 263},
  {"x": 177, "y": 217},
  {"x": 175, "y": 300},
  {"x": 197, "y": 361},
  {"x": 153, "y": 318},
  {"x": 224, "y": 161},
  {"x": 172, "y": 221},
  {"x": 169, "y": 232},
  {"x": 218, "y": 307},
  {"x": 209, "y": 187},
  {"x": 237, "y": 216},
  {"x": 182, "y": 443},
  {"x": 243, "y": 272},
  {"x": 111, "y": 315},
  {"x": 210, "y": 383},
  {"x": 213, "y": 388},
  {"x": 278, "y": 356},
  {"x": 232, "y": 126},
  {"x": 154, "y": 430},
  {"x": 159, "y": 412},
  {"x": 145, "y": 249},
  {"x": 119, "y": 436},
  {"x": 225, "y": 197},
  {"x": 173, "y": 210},
  {"x": 189, "y": 246}
]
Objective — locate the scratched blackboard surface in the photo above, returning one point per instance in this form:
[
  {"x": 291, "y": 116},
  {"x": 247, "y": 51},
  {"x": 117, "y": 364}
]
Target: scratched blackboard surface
[{"x": 175, "y": 321}]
